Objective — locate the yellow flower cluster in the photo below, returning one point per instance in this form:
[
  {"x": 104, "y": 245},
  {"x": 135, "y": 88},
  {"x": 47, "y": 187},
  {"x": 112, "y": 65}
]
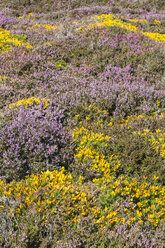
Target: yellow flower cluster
[
  {"x": 156, "y": 139},
  {"x": 36, "y": 26},
  {"x": 95, "y": 109},
  {"x": 93, "y": 116},
  {"x": 2, "y": 78},
  {"x": 29, "y": 101},
  {"x": 155, "y": 36},
  {"x": 48, "y": 27},
  {"x": 29, "y": 16},
  {"x": 107, "y": 20},
  {"x": 130, "y": 120},
  {"x": 46, "y": 193},
  {"x": 8, "y": 41},
  {"x": 137, "y": 20},
  {"x": 88, "y": 150},
  {"x": 146, "y": 201},
  {"x": 127, "y": 121},
  {"x": 156, "y": 22}
]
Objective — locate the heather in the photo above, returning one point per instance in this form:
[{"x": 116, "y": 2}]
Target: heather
[
  {"x": 33, "y": 139},
  {"x": 82, "y": 124}
]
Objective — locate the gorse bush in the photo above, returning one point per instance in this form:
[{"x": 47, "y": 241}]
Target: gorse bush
[{"x": 34, "y": 139}]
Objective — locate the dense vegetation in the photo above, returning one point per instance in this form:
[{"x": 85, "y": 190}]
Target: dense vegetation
[{"x": 82, "y": 123}]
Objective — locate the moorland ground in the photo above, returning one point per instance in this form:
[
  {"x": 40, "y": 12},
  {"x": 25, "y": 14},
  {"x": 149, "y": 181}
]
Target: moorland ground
[{"x": 82, "y": 121}]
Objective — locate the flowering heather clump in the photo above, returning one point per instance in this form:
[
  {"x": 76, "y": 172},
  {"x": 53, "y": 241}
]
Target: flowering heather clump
[
  {"x": 82, "y": 124},
  {"x": 33, "y": 139},
  {"x": 6, "y": 20},
  {"x": 122, "y": 93}
]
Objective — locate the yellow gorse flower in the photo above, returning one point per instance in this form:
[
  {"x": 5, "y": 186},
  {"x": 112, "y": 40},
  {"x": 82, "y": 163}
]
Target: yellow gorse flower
[
  {"x": 48, "y": 27},
  {"x": 8, "y": 41},
  {"x": 2, "y": 78},
  {"x": 56, "y": 188},
  {"x": 157, "y": 139},
  {"x": 29, "y": 101},
  {"x": 107, "y": 20},
  {"x": 37, "y": 26}
]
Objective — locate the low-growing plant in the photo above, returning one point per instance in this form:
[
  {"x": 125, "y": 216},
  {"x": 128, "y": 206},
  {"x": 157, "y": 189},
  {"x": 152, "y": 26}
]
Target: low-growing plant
[{"x": 34, "y": 139}]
